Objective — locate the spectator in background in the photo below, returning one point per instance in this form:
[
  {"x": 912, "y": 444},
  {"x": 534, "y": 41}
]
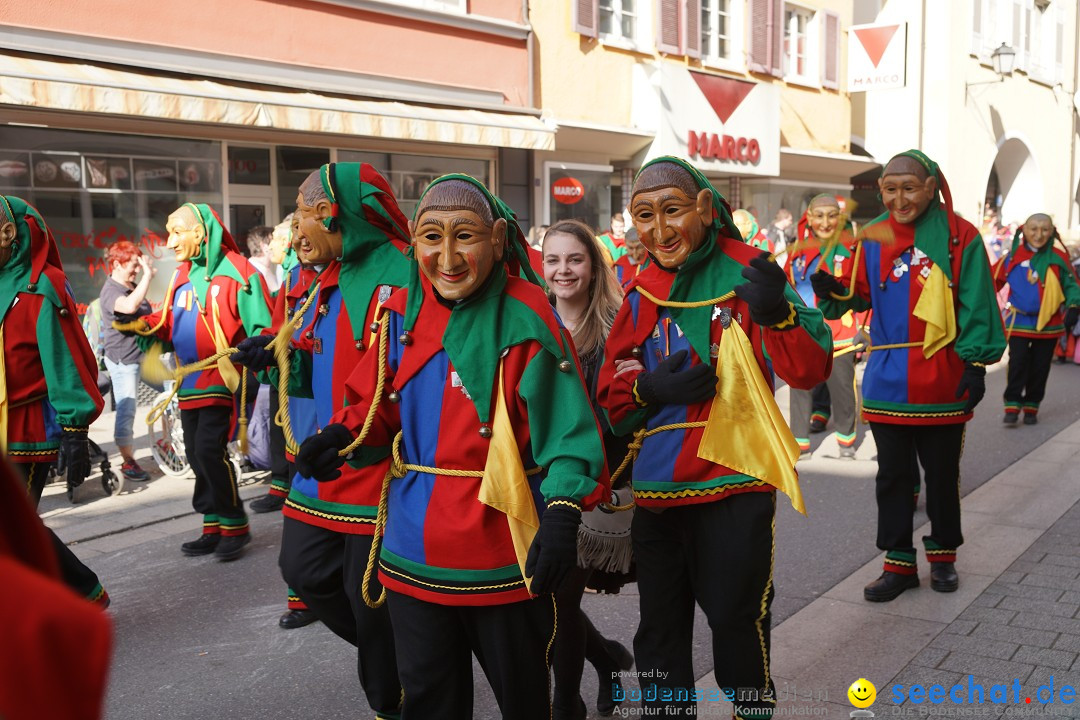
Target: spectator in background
[
  {"x": 259, "y": 239},
  {"x": 614, "y": 239},
  {"x": 780, "y": 231},
  {"x": 123, "y": 299}
]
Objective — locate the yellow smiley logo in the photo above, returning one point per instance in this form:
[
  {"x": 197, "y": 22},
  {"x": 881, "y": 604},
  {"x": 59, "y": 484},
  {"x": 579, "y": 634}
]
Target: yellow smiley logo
[{"x": 862, "y": 693}]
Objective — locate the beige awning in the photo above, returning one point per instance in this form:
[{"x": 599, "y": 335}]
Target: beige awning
[{"x": 80, "y": 87}]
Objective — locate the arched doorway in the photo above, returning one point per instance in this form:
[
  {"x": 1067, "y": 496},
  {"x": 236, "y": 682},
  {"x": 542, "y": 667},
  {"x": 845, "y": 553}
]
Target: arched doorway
[{"x": 1014, "y": 189}]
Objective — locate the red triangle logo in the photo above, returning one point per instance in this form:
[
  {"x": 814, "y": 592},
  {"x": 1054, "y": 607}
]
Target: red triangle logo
[
  {"x": 875, "y": 39},
  {"x": 724, "y": 94}
]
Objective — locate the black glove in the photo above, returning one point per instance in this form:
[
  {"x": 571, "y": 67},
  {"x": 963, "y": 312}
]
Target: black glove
[
  {"x": 1071, "y": 316},
  {"x": 252, "y": 353},
  {"x": 318, "y": 456},
  {"x": 973, "y": 382},
  {"x": 75, "y": 448},
  {"x": 666, "y": 386},
  {"x": 765, "y": 291},
  {"x": 825, "y": 284},
  {"x": 554, "y": 549}
]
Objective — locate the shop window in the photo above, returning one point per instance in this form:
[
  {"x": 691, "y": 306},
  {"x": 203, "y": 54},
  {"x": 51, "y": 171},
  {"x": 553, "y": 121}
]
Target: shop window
[
  {"x": 249, "y": 165},
  {"x": 294, "y": 164},
  {"x": 578, "y": 192},
  {"x": 409, "y": 175},
  {"x": 96, "y": 188}
]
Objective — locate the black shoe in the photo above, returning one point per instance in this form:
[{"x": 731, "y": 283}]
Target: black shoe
[
  {"x": 817, "y": 426},
  {"x": 1031, "y": 419},
  {"x": 231, "y": 547},
  {"x": 624, "y": 660},
  {"x": 578, "y": 712},
  {"x": 205, "y": 545},
  {"x": 267, "y": 503},
  {"x": 943, "y": 577},
  {"x": 889, "y": 586},
  {"x": 297, "y": 619},
  {"x": 1011, "y": 418}
]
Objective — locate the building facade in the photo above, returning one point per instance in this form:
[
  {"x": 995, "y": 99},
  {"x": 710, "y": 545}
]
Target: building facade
[
  {"x": 113, "y": 116},
  {"x": 752, "y": 91},
  {"x": 1007, "y": 144}
]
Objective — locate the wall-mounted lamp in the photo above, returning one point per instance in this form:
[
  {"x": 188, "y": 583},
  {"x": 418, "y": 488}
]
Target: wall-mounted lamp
[{"x": 1003, "y": 59}]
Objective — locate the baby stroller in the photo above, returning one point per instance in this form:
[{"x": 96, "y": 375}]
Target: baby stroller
[{"x": 110, "y": 482}]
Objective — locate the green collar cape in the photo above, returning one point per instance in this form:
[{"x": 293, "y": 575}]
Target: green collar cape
[
  {"x": 212, "y": 259},
  {"x": 484, "y": 324},
  {"x": 289, "y": 261},
  {"x": 34, "y": 266},
  {"x": 369, "y": 218},
  {"x": 937, "y": 226},
  {"x": 707, "y": 272}
]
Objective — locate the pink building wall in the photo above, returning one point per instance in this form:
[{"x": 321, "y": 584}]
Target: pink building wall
[{"x": 308, "y": 33}]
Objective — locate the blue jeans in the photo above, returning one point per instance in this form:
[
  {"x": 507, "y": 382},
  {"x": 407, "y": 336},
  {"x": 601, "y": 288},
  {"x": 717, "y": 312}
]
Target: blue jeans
[{"x": 125, "y": 383}]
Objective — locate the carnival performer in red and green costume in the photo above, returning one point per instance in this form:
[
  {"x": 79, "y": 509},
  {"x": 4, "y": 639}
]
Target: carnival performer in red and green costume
[
  {"x": 48, "y": 374},
  {"x": 500, "y": 453},
  {"x": 715, "y": 445},
  {"x": 614, "y": 238},
  {"x": 1044, "y": 300},
  {"x": 935, "y": 327},
  {"x": 824, "y": 243},
  {"x": 352, "y": 232},
  {"x": 750, "y": 230},
  {"x": 215, "y": 299},
  {"x": 634, "y": 261}
]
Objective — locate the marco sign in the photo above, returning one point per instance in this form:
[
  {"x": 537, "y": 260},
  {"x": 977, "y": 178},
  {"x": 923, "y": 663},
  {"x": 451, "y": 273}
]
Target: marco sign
[{"x": 877, "y": 57}]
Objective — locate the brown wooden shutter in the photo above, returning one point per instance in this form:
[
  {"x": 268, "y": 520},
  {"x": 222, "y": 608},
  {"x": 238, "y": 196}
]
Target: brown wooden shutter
[
  {"x": 693, "y": 28},
  {"x": 765, "y": 37},
  {"x": 830, "y": 70},
  {"x": 587, "y": 17},
  {"x": 668, "y": 24}
]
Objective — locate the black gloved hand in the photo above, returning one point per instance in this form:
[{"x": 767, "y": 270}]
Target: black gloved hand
[
  {"x": 667, "y": 386},
  {"x": 553, "y": 552},
  {"x": 252, "y": 353},
  {"x": 75, "y": 447},
  {"x": 973, "y": 382},
  {"x": 825, "y": 285},
  {"x": 318, "y": 456},
  {"x": 1072, "y": 314},
  {"x": 765, "y": 291}
]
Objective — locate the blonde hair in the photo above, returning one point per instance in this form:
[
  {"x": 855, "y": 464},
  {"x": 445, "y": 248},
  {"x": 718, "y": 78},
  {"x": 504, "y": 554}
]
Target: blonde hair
[{"x": 605, "y": 294}]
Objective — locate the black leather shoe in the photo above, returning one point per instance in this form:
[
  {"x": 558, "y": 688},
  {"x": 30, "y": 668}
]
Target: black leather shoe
[
  {"x": 943, "y": 577},
  {"x": 205, "y": 545},
  {"x": 1011, "y": 418},
  {"x": 267, "y": 503},
  {"x": 297, "y": 619},
  {"x": 1031, "y": 419},
  {"x": 817, "y": 426},
  {"x": 889, "y": 586},
  {"x": 231, "y": 547}
]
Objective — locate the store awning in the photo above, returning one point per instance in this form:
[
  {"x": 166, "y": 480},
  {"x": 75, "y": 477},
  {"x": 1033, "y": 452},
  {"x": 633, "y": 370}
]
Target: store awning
[
  {"x": 53, "y": 84},
  {"x": 825, "y": 166}
]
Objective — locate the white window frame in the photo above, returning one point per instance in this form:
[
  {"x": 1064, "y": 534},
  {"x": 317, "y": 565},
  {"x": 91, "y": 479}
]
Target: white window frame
[
  {"x": 812, "y": 75},
  {"x": 641, "y": 12},
  {"x": 736, "y": 57}
]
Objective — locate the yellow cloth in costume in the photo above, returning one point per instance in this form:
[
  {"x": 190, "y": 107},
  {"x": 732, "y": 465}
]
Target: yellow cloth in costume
[
  {"x": 1051, "y": 299},
  {"x": 745, "y": 430},
  {"x": 935, "y": 308},
  {"x": 505, "y": 486},
  {"x": 228, "y": 371}
]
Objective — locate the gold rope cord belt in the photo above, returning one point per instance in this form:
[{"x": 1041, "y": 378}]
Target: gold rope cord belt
[{"x": 398, "y": 469}]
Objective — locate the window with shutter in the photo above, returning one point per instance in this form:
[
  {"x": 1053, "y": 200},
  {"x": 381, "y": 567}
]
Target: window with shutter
[
  {"x": 801, "y": 61},
  {"x": 976, "y": 27},
  {"x": 721, "y": 32},
  {"x": 586, "y": 14},
  {"x": 830, "y": 71},
  {"x": 766, "y": 27},
  {"x": 668, "y": 26},
  {"x": 693, "y": 33},
  {"x": 619, "y": 19}
]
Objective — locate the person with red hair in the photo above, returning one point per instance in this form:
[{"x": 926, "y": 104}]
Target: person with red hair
[{"x": 122, "y": 297}]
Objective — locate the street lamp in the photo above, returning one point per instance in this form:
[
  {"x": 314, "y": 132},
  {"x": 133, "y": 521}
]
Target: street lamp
[{"x": 1003, "y": 59}]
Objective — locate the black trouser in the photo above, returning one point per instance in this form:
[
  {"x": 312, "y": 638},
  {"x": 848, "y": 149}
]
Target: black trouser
[
  {"x": 576, "y": 641},
  {"x": 1029, "y": 367},
  {"x": 937, "y": 448},
  {"x": 841, "y": 390},
  {"x": 435, "y": 644},
  {"x": 822, "y": 402},
  {"x": 77, "y": 576},
  {"x": 281, "y": 470},
  {"x": 206, "y": 441},
  {"x": 326, "y": 569},
  {"x": 719, "y": 554}
]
